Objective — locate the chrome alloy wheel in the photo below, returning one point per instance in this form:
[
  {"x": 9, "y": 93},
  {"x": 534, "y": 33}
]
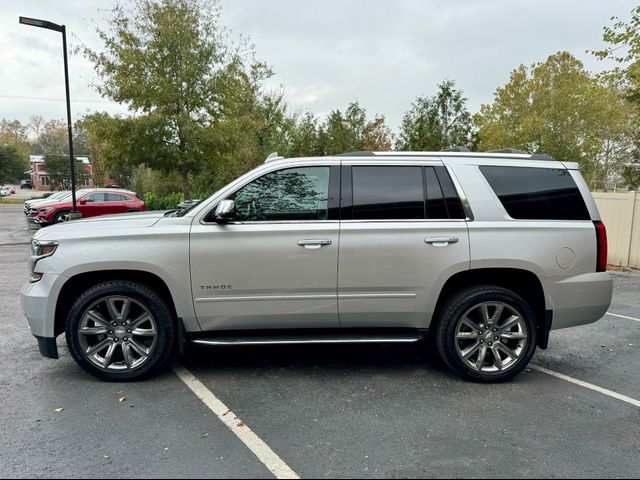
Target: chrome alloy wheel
[
  {"x": 62, "y": 218},
  {"x": 491, "y": 337},
  {"x": 117, "y": 333}
]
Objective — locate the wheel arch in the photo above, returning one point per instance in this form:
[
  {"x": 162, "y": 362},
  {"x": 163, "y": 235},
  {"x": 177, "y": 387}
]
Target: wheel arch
[
  {"x": 79, "y": 283},
  {"x": 522, "y": 282}
]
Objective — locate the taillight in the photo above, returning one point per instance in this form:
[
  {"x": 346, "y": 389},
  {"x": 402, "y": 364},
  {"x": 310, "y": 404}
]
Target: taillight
[{"x": 601, "y": 240}]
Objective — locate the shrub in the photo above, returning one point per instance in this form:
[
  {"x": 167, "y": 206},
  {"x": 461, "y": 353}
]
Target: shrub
[{"x": 165, "y": 202}]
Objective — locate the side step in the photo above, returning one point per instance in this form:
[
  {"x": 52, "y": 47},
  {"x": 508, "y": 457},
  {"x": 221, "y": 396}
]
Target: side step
[{"x": 307, "y": 339}]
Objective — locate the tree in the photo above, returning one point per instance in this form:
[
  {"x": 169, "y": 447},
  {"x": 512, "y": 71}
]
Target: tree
[
  {"x": 57, "y": 167},
  {"x": 167, "y": 60},
  {"x": 53, "y": 138},
  {"x": 14, "y": 134},
  {"x": 438, "y": 122},
  {"x": 351, "y": 131},
  {"x": 12, "y": 165},
  {"x": 557, "y": 108},
  {"x": 623, "y": 39}
]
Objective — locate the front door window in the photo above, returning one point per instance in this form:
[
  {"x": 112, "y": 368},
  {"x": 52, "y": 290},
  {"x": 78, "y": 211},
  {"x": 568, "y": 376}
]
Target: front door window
[{"x": 286, "y": 195}]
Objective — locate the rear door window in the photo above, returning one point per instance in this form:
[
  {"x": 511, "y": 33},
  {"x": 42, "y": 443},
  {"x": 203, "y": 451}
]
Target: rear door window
[
  {"x": 388, "y": 193},
  {"x": 537, "y": 193}
]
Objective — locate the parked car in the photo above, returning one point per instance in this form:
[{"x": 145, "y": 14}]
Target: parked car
[
  {"x": 4, "y": 191},
  {"x": 92, "y": 202},
  {"x": 25, "y": 184},
  {"x": 12, "y": 190},
  {"x": 29, "y": 205},
  {"x": 485, "y": 253}
]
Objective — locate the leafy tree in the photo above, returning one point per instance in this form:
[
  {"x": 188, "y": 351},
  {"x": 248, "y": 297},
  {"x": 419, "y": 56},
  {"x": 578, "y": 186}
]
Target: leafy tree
[
  {"x": 53, "y": 138},
  {"x": 14, "y": 134},
  {"x": 12, "y": 165},
  {"x": 438, "y": 122},
  {"x": 557, "y": 108},
  {"x": 170, "y": 61},
  {"x": 351, "y": 131},
  {"x": 623, "y": 39},
  {"x": 57, "y": 167}
]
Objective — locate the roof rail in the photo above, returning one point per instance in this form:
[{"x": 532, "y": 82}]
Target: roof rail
[
  {"x": 457, "y": 148},
  {"x": 272, "y": 157},
  {"x": 356, "y": 154},
  {"x": 541, "y": 156},
  {"x": 508, "y": 150}
]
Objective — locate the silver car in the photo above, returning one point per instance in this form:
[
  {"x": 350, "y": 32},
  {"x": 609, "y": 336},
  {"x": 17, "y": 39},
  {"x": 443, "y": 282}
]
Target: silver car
[{"x": 479, "y": 255}]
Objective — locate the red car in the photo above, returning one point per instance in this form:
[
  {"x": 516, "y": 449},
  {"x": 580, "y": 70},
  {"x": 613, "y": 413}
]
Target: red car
[{"x": 90, "y": 203}]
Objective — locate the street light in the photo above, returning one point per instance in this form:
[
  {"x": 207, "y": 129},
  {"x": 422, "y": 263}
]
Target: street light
[{"x": 34, "y": 22}]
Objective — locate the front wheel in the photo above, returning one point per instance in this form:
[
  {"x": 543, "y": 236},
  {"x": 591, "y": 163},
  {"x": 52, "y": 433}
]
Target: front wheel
[
  {"x": 486, "y": 334},
  {"x": 120, "y": 331},
  {"x": 61, "y": 217}
]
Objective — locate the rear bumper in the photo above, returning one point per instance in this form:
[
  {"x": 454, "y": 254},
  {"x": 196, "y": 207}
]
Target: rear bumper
[{"x": 578, "y": 300}]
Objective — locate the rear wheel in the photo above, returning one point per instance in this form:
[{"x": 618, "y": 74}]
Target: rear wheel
[
  {"x": 120, "y": 330},
  {"x": 486, "y": 334}
]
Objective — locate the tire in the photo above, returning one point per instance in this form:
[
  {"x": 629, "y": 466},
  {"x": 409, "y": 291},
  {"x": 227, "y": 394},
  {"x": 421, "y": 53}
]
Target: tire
[
  {"x": 61, "y": 217},
  {"x": 136, "y": 347},
  {"x": 460, "y": 321}
]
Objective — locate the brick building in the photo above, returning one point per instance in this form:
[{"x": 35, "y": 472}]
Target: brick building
[{"x": 41, "y": 180}]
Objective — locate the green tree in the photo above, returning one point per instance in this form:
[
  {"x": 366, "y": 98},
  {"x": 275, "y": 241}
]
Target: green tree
[
  {"x": 171, "y": 62},
  {"x": 623, "y": 39},
  {"x": 53, "y": 138},
  {"x": 557, "y": 108},
  {"x": 14, "y": 134},
  {"x": 438, "y": 122},
  {"x": 351, "y": 131},
  {"x": 12, "y": 165},
  {"x": 57, "y": 167}
]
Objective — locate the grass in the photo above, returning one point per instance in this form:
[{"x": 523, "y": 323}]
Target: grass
[{"x": 12, "y": 201}]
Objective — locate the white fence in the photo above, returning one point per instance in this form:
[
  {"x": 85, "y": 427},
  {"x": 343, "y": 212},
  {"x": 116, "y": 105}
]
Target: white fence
[{"x": 621, "y": 215}]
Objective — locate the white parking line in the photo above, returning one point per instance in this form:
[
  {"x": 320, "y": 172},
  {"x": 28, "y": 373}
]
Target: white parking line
[
  {"x": 623, "y": 316},
  {"x": 590, "y": 386},
  {"x": 260, "y": 449}
]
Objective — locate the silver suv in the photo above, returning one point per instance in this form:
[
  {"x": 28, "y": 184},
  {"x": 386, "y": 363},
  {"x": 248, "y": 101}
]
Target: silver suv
[{"x": 478, "y": 254}]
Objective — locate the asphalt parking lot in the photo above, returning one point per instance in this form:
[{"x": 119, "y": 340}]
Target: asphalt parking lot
[{"x": 325, "y": 411}]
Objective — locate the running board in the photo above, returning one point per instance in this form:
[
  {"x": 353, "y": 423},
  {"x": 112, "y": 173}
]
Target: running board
[{"x": 307, "y": 340}]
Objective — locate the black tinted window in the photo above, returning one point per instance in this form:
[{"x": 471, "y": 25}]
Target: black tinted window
[
  {"x": 388, "y": 193},
  {"x": 436, "y": 206},
  {"x": 291, "y": 194},
  {"x": 537, "y": 193},
  {"x": 454, "y": 205}
]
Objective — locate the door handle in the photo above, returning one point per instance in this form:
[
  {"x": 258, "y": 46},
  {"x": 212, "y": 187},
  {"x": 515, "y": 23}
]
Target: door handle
[
  {"x": 313, "y": 244},
  {"x": 441, "y": 241}
]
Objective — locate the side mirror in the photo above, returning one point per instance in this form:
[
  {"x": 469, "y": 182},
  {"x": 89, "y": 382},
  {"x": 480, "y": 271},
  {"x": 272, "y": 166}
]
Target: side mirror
[
  {"x": 82, "y": 202},
  {"x": 225, "y": 211}
]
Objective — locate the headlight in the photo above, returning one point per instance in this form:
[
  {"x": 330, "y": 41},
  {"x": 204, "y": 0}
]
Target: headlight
[
  {"x": 40, "y": 249},
  {"x": 45, "y": 210}
]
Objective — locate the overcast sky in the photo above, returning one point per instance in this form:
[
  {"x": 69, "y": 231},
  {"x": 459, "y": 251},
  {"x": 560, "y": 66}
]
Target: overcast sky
[{"x": 383, "y": 53}]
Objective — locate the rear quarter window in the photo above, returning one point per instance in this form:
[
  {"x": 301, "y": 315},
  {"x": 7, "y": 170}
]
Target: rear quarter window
[{"x": 537, "y": 193}]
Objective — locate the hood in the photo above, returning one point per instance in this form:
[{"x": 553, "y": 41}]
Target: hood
[{"x": 105, "y": 223}]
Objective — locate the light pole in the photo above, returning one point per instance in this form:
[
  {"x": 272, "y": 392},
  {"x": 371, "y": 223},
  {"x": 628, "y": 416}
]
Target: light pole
[{"x": 34, "y": 22}]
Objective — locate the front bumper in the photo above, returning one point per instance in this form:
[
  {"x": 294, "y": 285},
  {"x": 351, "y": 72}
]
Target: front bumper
[
  {"x": 48, "y": 347},
  {"x": 39, "y": 306}
]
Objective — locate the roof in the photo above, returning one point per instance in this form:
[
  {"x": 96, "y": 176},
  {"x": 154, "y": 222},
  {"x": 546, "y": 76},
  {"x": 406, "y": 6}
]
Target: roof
[{"x": 40, "y": 158}]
